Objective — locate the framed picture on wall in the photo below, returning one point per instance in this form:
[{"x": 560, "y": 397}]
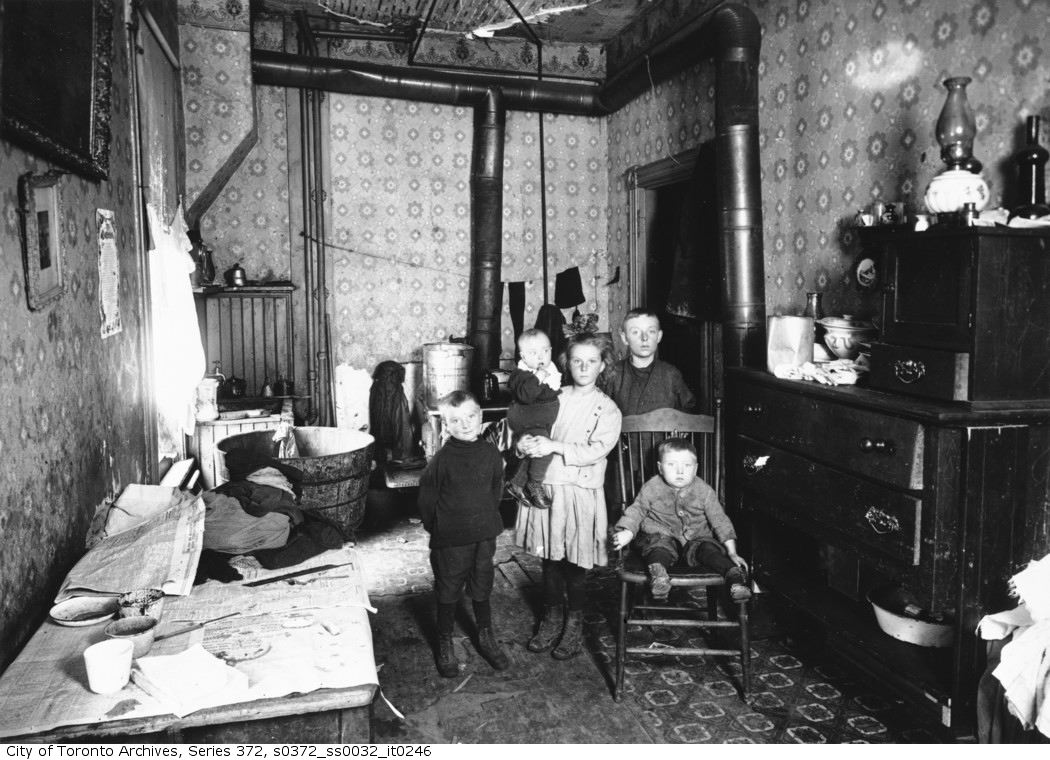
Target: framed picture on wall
[
  {"x": 40, "y": 198},
  {"x": 55, "y": 93}
]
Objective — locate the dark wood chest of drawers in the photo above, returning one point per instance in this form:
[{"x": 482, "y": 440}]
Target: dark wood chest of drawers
[
  {"x": 966, "y": 313},
  {"x": 943, "y": 498}
]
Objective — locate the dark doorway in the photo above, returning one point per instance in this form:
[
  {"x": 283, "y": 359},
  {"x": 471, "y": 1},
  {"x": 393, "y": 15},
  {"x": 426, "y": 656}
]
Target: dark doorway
[{"x": 682, "y": 272}]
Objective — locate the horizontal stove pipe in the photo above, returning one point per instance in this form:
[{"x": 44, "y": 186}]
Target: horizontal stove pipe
[{"x": 424, "y": 85}]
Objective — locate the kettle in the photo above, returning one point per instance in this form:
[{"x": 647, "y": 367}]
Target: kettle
[
  {"x": 235, "y": 276},
  {"x": 234, "y": 387}
]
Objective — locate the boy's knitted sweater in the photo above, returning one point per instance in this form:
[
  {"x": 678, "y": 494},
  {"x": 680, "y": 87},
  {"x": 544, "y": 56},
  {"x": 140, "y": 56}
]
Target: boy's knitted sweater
[{"x": 459, "y": 494}]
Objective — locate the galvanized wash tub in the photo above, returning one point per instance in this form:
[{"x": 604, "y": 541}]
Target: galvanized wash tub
[{"x": 335, "y": 464}]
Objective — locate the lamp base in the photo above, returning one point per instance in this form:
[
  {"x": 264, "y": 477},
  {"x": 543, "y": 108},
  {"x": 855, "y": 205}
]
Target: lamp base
[{"x": 950, "y": 190}]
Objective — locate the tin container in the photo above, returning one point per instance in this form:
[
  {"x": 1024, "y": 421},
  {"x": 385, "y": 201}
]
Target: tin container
[{"x": 446, "y": 368}]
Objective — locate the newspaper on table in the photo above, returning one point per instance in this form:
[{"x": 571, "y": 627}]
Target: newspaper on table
[
  {"x": 287, "y": 638},
  {"x": 160, "y": 549}
]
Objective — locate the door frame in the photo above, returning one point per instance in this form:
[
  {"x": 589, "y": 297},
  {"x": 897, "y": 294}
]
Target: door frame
[{"x": 642, "y": 184}]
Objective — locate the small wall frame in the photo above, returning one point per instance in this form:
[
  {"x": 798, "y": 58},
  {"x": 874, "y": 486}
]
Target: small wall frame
[{"x": 40, "y": 199}]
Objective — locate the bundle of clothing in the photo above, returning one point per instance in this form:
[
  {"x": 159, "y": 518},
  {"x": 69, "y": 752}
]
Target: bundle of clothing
[
  {"x": 1018, "y": 673},
  {"x": 257, "y": 512}
]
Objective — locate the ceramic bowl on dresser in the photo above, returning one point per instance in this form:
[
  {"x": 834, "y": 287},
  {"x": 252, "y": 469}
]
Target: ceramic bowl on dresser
[{"x": 845, "y": 336}]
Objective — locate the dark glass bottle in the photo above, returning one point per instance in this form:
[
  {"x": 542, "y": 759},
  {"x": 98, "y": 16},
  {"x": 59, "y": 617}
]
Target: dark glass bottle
[
  {"x": 1031, "y": 166},
  {"x": 814, "y": 307},
  {"x": 206, "y": 265}
]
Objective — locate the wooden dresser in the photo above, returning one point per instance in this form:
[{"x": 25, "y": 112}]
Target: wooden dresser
[{"x": 840, "y": 489}]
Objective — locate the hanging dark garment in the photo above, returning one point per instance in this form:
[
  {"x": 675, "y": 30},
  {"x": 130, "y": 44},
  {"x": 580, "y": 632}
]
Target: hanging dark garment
[
  {"x": 388, "y": 415},
  {"x": 516, "y": 301},
  {"x": 551, "y": 320},
  {"x": 568, "y": 289},
  {"x": 695, "y": 284}
]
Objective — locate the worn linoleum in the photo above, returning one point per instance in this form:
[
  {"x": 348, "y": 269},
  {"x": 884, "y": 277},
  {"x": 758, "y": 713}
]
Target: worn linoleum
[{"x": 797, "y": 696}]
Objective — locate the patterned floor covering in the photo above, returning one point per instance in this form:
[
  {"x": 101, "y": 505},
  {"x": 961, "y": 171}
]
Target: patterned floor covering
[{"x": 798, "y": 697}]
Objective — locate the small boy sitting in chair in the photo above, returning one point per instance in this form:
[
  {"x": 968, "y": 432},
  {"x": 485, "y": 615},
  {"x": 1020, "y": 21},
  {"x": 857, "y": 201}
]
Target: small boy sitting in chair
[{"x": 676, "y": 514}]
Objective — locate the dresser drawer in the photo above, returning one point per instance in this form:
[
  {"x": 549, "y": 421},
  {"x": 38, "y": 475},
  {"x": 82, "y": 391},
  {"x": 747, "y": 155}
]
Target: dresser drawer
[
  {"x": 925, "y": 372},
  {"x": 889, "y": 449},
  {"x": 864, "y": 516}
]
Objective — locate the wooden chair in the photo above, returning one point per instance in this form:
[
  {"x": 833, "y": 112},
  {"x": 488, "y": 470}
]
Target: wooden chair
[{"x": 636, "y": 463}]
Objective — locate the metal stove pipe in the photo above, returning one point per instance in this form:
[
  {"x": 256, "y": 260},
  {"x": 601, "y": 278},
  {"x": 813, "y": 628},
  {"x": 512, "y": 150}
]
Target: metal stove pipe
[
  {"x": 738, "y": 39},
  {"x": 486, "y": 233},
  {"x": 424, "y": 85}
]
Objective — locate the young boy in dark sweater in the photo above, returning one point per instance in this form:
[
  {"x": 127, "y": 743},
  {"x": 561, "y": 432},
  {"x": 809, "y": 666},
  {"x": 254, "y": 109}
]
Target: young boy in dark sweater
[{"x": 459, "y": 495}]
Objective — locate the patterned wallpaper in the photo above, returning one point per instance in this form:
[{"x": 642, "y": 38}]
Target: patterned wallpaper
[
  {"x": 218, "y": 107},
  {"x": 401, "y": 221},
  {"x": 849, "y": 96},
  {"x": 72, "y": 408},
  {"x": 248, "y": 223}
]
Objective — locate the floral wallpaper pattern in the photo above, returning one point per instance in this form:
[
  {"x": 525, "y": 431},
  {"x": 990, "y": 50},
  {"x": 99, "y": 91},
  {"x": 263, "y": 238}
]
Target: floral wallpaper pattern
[
  {"x": 849, "y": 96},
  {"x": 72, "y": 408},
  {"x": 401, "y": 220},
  {"x": 248, "y": 223},
  {"x": 218, "y": 105}
]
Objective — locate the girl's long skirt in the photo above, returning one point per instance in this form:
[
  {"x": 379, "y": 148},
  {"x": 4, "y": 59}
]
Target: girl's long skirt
[{"x": 574, "y": 528}]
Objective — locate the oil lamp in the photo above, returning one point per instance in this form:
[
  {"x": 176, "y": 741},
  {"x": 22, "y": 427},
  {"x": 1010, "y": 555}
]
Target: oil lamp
[{"x": 961, "y": 182}]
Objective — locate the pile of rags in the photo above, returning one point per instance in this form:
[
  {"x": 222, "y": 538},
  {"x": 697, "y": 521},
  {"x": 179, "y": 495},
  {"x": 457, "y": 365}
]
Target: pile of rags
[{"x": 257, "y": 512}]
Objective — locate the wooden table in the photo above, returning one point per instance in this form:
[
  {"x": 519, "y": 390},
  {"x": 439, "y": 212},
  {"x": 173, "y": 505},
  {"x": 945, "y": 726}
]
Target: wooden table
[{"x": 44, "y": 695}]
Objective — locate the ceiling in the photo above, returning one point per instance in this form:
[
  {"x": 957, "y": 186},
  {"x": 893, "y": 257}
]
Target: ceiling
[{"x": 577, "y": 21}]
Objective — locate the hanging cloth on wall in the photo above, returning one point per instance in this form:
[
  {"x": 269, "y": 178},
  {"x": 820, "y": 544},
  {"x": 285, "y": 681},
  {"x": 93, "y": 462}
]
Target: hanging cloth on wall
[
  {"x": 551, "y": 320},
  {"x": 568, "y": 289},
  {"x": 389, "y": 417},
  {"x": 516, "y": 301}
]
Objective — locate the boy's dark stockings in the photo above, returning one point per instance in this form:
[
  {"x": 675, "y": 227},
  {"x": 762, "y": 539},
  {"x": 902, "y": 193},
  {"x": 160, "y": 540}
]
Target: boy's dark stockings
[
  {"x": 446, "y": 619},
  {"x": 483, "y": 613}
]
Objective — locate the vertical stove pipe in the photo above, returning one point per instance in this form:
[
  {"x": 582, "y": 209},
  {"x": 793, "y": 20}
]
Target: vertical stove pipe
[
  {"x": 486, "y": 233},
  {"x": 737, "y": 39}
]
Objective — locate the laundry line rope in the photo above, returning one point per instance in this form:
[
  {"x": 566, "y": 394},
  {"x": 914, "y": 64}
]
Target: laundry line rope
[{"x": 413, "y": 264}]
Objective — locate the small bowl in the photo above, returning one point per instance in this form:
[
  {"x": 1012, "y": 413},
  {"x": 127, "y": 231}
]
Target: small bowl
[
  {"x": 845, "y": 337},
  {"x": 139, "y": 630}
]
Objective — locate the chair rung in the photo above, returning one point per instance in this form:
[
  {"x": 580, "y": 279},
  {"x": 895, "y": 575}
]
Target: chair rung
[
  {"x": 684, "y": 623},
  {"x": 678, "y": 651},
  {"x": 665, "y": 608}
]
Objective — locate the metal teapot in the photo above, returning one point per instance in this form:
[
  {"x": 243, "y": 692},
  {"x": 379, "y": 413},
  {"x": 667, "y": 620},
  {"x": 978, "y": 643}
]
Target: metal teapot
[
  {"x": 235, "y": 387},
  {"x": 235, "y": 276}
]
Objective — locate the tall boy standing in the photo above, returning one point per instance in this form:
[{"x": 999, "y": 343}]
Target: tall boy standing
[
  {"x": 641, "y": 383},
  {"x": 459, "y": 495}
]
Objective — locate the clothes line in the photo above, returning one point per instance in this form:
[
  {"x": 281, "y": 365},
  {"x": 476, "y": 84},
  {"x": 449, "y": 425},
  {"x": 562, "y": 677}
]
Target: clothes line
[{"x": 414, "y": 265}]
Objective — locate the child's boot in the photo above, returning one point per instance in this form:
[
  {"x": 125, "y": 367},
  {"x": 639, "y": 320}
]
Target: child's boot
[
  {"x": 490, "y": 649},
  {"x": 537, "y": 495},
  {"x": 738, "y": 588},
  {"x": 572, "y": 639},
  {"x": 447, "y": 664},
  {"x": 549, "y": 630},
  {"x": 659, "y": 582}
]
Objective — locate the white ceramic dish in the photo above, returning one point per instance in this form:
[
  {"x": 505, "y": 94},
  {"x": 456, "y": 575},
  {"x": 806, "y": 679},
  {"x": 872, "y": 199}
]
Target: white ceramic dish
[{"x": 84, "y": 610}]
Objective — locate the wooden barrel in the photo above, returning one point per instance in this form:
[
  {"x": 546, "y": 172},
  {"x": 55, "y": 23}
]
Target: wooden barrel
[{"x": 335, "y": 464}]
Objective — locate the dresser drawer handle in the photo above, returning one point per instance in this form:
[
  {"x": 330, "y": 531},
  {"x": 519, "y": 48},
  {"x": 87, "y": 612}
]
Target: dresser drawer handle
[
  {"x": 881, "y": 522},
  {"x": 877, "y": 446},
  {"x": 909, "y": 370},
  {"x": 753, "y": 464}
]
